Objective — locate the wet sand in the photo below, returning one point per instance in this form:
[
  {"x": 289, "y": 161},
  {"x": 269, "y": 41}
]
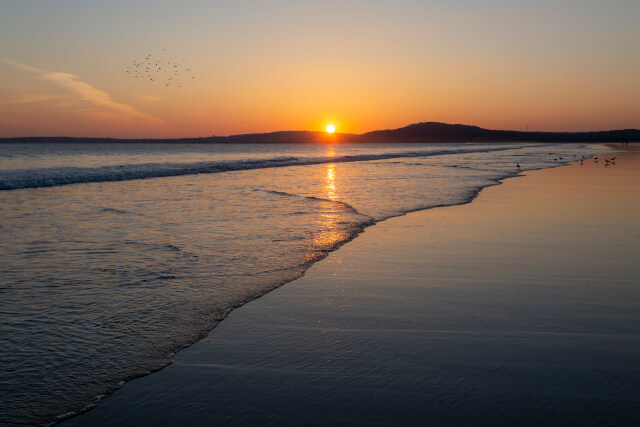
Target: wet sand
[{"x": 520, "y": 308}]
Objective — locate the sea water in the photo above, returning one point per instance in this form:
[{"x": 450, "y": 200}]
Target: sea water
[{"x": 113, "y": 256}]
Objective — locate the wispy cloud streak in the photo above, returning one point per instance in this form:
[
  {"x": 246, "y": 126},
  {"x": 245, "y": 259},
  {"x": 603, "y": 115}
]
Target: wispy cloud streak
[
  {"x": 22, "y": 66},
  {"x": 27, "y": 99},
  {"x": 83, "y": 90},
  {"x": 92, "y": 94}
]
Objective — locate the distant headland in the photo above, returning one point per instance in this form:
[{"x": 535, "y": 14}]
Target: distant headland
[{"x": 418, "y": 132}]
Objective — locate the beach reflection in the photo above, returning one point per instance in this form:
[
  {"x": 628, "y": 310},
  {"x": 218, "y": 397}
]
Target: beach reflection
[
  {"x": 332, "y": 230},
  {"x": 331, "y": 177},
  {"x": 331, "y": 182}
]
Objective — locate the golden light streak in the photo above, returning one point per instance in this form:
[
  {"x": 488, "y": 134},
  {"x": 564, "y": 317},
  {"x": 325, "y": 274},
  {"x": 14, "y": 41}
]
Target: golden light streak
[{"x": 331, "y": 182}]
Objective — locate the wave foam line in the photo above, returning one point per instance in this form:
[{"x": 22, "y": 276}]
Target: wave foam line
[{"x": 53, "y": 177}]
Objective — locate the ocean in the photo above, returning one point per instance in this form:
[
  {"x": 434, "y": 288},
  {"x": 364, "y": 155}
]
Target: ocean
[{"x": 114, "y": 256}]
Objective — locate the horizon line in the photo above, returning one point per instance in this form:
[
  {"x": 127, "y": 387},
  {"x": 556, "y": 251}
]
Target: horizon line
[{"x": 321, "y": 132}]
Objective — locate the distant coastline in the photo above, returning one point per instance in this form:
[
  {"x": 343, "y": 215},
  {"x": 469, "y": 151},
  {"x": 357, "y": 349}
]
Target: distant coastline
[{"x": 418, "y": 132}]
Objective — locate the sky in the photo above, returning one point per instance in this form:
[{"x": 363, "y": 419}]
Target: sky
[{"x": 262, "y": 66}]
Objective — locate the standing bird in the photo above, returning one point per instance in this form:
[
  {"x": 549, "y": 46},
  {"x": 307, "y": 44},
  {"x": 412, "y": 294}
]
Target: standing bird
[{"x": 517, "y": 165}]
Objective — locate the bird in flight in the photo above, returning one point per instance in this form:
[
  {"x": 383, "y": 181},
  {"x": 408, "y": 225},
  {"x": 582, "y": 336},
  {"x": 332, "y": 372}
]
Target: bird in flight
[{"x": 150, "y": 69}]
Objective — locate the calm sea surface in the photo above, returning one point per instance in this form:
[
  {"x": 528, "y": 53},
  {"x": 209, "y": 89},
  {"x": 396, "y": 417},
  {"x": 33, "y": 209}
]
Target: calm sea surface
[{"x": 114, "y": 256}]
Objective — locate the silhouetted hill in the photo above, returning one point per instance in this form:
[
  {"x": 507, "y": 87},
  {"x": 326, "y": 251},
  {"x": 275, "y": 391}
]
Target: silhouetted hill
[
  {"x": 272, "y": 137},
  {"x": 418, "y": 132},
  {"x": 442, "y": 132}
]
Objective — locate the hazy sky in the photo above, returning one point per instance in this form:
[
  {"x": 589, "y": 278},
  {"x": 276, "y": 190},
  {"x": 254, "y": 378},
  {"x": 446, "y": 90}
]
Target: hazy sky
[{"x": 292, "y": 65}]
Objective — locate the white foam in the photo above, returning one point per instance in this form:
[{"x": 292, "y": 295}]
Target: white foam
[{"x": 52, "y": 177}]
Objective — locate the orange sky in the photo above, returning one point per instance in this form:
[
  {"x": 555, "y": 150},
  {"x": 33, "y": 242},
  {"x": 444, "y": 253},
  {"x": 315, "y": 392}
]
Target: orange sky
[{"x": 283, "y": 65}]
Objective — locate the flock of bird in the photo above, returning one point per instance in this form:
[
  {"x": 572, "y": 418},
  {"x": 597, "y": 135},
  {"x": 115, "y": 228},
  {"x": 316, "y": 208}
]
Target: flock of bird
[
  {"x": 159, "y": 69},
  {"x": 607, "y": 162}
]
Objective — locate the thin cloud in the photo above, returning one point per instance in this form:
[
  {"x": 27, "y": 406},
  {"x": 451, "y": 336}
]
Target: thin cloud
[
  {"x": 27, "y": 99},
  {"x": 91, "y": 94},
  {"x": 84, "y": 90},
  {"x": 22, "y": 66}
]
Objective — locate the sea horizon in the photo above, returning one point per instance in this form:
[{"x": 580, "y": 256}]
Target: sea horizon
[{"x": 416, "y": 132}]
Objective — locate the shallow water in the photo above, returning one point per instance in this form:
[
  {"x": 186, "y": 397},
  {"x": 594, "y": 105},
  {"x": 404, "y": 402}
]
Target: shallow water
[{"x": 114, "y": 256}]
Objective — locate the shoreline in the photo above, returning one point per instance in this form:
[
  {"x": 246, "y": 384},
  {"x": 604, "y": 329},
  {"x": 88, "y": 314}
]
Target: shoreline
[
  {"x": 96, "y": 361},
  {"x": 356, "y": 233},
  {"x": 277, "y": 291}
]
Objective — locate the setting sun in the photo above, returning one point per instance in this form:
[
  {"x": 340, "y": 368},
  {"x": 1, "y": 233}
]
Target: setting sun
[{"x": 331, "y": 128}]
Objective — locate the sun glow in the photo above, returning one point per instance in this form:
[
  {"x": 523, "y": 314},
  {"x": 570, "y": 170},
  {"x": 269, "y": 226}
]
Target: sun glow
[{"x": 331, "y": 128}]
